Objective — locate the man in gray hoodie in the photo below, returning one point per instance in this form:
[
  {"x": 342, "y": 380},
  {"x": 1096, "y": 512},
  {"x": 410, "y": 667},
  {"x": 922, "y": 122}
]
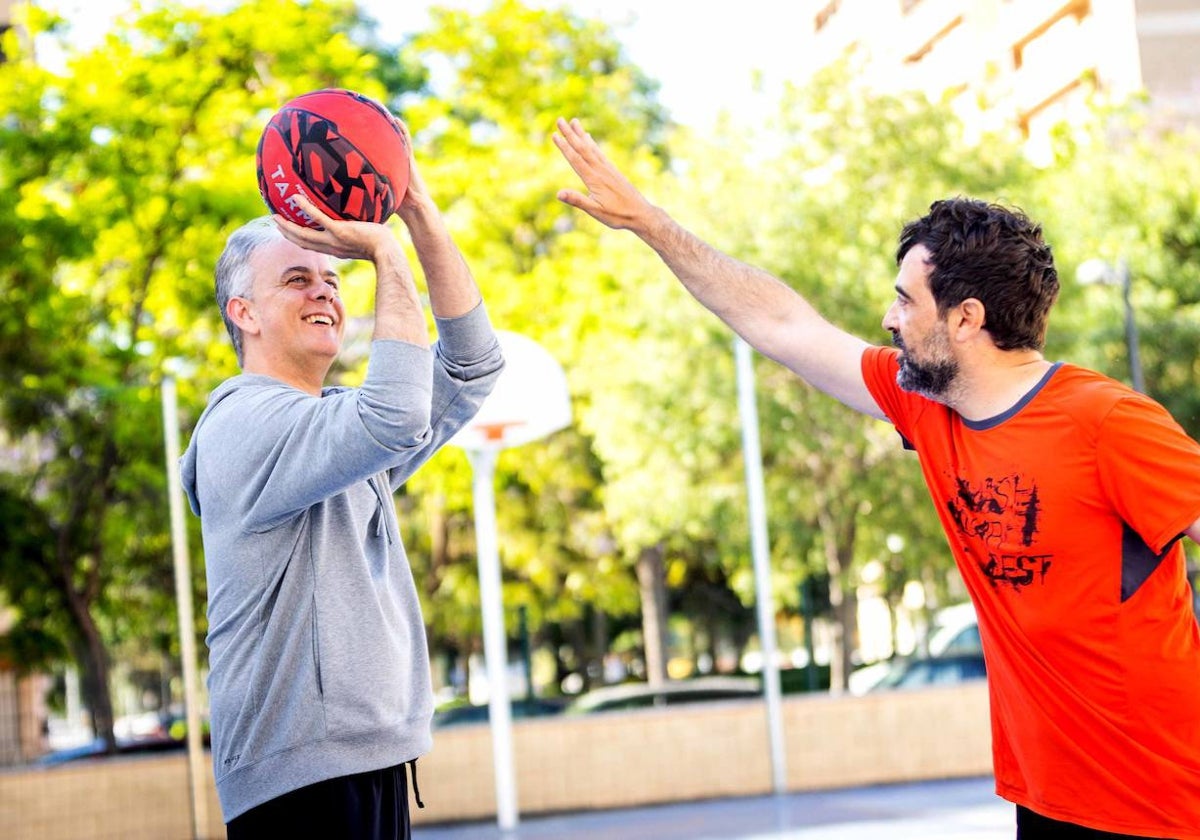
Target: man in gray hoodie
[{"x": 319, "y": 681}]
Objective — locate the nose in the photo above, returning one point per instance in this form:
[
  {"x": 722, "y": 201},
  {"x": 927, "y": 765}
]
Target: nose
[
  {"x": 889, "y": 319},
  {"x": 324, "y": 290}
]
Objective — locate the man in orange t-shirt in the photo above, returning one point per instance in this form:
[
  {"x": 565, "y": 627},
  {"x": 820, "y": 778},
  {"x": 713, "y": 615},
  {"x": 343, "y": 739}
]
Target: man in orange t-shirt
[{"x": 1063, "y": 495}]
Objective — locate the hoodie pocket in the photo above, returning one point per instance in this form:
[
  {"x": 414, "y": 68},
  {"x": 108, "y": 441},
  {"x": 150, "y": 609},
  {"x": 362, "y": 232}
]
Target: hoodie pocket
[{"x": 316, "y": 649}]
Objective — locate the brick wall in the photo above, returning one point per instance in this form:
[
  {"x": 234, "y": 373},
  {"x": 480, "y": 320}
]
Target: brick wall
[{"x": 567, "y": 764}]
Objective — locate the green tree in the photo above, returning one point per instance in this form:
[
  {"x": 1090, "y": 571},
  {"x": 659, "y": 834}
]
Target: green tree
[
  {"x": 1126, "y": 187},
  {"x": 483, "y": 140},
  {"x": 122, "y": 175}
]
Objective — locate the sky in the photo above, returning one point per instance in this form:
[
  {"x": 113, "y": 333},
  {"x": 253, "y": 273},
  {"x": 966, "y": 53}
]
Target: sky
[{"x": 706, "y": 54}]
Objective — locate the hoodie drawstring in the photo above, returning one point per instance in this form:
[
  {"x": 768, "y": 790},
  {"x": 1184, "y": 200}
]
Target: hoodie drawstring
[{"x": 416, "y": 790}]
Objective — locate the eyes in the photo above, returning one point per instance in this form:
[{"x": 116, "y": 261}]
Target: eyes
[{"x": 302, "y": 281}]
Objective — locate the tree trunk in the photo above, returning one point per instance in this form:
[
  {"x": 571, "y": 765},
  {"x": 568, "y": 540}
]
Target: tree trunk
[
  {"x": 839, "y": 551},
  {"x": 652, "y": 586},
  {"x": 577, "y": 638},
  {"x": 93, "y": 662},
  {"x": 599, "y": 643},
  {"x": 439, "y": 543}
]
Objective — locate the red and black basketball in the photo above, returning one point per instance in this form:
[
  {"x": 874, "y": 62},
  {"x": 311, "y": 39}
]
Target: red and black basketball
[{"x": 344, "y": 151}]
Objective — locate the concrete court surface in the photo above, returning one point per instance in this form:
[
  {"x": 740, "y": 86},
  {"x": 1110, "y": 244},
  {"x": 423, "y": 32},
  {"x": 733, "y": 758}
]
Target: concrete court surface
[{"x": 955, "y": 809}]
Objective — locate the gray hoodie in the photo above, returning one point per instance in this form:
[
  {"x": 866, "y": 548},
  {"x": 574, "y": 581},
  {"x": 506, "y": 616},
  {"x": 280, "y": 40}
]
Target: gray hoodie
[{"x": 318, "y": 665}]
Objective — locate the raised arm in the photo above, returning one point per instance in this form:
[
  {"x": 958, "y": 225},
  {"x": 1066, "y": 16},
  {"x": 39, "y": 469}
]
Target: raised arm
[
  {"x": 766, "y": 312},
  {"x": 452, "y": 290}
]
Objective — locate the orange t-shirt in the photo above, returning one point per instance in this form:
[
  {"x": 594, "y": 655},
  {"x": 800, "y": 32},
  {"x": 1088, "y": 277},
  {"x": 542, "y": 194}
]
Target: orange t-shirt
[{"x": 1063, "y": 515}]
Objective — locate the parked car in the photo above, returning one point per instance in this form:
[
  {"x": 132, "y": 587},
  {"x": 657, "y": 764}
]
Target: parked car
[
  {"x": 954, "y": 632},
  {"x": 925, "y": 671},
  {"x": 94, "y": 749},
  {"x": 521, "y": 708},
  {"x": 150, "y": 732},
  {"x": 672, "y": 693}
]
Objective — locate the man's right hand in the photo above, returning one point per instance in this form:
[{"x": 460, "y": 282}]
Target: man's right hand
[{"x": 345, "y": 240}]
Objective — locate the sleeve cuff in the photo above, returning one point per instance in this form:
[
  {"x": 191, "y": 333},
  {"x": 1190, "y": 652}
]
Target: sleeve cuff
[
  {"x": 467, "y": 339},
  {"x": 399, "y": 361}
]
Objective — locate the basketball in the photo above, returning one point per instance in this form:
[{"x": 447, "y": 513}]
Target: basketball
[{"x": 343, "y": 151}]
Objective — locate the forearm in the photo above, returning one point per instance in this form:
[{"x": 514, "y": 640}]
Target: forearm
[
  {"x": 751, "y": 301},
  {"x": 452, "y": 289},
  {"x": 764, "y": 310},
  {"x": 398, "y": 312}
]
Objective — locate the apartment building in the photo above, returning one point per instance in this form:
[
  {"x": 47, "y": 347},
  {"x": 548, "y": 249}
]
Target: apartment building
[{"x": 1023, "y": 63}]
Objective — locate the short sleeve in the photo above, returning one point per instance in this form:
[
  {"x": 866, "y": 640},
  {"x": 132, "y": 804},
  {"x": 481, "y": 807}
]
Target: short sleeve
[
  {"x": 1150, "y": 470},
  {"x": 879, "y": 368}
]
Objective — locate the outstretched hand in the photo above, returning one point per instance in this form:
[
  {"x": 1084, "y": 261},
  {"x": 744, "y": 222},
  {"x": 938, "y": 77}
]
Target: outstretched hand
[
  {"x": 610, "y": 199},
  {"x": 345, "y": 240}
]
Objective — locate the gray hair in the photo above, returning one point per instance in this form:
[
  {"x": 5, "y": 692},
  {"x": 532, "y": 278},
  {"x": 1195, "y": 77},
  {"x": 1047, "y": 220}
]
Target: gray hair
[{"x": 234, "y": 277}]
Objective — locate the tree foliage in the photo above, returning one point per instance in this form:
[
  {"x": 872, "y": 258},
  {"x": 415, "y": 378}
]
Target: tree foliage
[{"x": 122, "y": 175}]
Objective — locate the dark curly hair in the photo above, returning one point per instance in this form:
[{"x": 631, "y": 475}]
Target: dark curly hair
[{"x": 992, "y": 253}]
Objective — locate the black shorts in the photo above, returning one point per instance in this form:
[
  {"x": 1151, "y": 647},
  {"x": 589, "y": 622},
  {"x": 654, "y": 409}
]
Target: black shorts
[
  {"x": 1031, "y": 826},
  {"x": 365, "y": 806}
]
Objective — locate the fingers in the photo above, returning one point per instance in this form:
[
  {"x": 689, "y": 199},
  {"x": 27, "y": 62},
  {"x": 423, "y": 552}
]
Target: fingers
[
  {"x": 315, "y": 213},
  {"x": 572, "y": 198},
  {"x": 576, "y": 145},
  {"x": 403, "y": 128},
  {"x": 336, "y": 237},
  {"x": 608, "y": 193}
]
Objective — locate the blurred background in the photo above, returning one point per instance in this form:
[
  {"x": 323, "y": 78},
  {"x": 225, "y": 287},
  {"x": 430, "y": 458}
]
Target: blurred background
[{"x": 796, "y": 136}]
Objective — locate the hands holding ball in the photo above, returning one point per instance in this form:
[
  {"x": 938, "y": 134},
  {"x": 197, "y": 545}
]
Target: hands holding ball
[{"x": 344, "y": 152}]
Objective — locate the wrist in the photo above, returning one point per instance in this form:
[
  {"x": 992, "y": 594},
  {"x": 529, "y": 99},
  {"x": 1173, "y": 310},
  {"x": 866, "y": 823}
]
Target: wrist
[
  {"x": 388, "y": 258},
  {"x": 417, "y": 210},
  {"x": 653, "y": 226}
]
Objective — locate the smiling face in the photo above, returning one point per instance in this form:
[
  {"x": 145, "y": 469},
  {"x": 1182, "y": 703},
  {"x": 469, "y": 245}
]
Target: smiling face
[
  {"x": 294, "y": 321},
  {"x": 927, "y": 364}
]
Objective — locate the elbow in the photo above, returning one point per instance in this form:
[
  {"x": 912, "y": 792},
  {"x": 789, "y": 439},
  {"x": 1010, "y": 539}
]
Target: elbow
[{"x": 407, "y": 429}]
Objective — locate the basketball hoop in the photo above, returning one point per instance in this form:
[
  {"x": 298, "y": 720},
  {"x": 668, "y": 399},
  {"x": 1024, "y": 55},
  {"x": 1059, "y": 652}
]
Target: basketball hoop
[{"x": 530, "y": 400}]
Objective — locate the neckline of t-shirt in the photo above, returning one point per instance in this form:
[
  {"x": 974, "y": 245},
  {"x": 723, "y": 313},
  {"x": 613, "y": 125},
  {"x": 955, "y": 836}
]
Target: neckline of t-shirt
[{"x": 992, "y": 422}]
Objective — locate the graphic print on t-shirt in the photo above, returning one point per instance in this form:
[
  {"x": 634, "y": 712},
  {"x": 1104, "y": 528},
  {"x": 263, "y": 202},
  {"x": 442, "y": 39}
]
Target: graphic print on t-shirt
[{"x": 999, "y": 521}]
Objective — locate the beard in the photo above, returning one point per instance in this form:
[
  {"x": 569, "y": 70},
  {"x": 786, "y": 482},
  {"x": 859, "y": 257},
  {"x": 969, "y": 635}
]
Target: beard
[{"x": 932, "y": 379}]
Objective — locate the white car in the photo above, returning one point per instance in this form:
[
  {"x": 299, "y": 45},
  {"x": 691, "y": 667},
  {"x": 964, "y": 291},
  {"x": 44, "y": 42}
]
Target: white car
[
  {"x": 954, "y": 633},
  {"x": 671, "y": 693}
]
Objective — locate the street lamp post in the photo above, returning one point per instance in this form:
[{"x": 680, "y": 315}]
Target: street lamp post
[
  {"x": 1099, "y": 272},
  {"x": 761, "y": 557},
  {"x": 197, "y": 769}
]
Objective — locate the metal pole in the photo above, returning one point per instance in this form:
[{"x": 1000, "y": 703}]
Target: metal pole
[
  {"x": 183, "y": 601},
  {"x": 483, "y": 465},
  {"x": 1131, "y": 332},
  {"x": 752, "y": 455}
]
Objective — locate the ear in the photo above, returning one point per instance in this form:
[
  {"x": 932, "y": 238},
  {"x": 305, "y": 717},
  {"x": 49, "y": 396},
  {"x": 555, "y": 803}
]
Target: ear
[
  {"x": 242, "y": 314},
  {"x": 968, "y": 319}
]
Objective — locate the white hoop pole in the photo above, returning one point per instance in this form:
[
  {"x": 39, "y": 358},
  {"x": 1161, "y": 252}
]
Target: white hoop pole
[{"x": 495, "y": 640}]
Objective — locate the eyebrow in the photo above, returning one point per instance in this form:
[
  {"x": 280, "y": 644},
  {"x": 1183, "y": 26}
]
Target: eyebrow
[
  {"x": 902, "y": 293},
  {"x": 303, "y": 269}
]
